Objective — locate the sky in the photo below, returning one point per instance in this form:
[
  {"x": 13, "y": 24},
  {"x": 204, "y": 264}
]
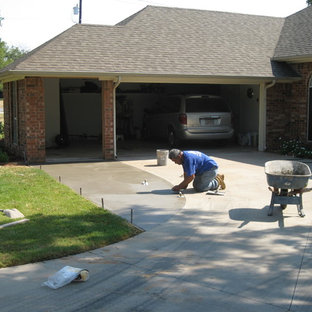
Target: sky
[{"x": 30, "y": 23}]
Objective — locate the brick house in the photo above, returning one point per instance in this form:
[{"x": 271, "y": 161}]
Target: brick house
[{"x": 262, "y": 65}]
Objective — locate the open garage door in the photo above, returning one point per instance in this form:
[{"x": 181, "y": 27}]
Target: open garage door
[
  {"x": 73, "y": 119},
  {"x": 76, "y": 115},
  {"x": 135, "y": 102}
]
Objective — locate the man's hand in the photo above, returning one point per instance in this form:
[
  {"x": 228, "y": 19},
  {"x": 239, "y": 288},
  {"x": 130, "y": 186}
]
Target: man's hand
[
  {"x": 176, "y": 188},
  {"x": 184, "y": 184}
]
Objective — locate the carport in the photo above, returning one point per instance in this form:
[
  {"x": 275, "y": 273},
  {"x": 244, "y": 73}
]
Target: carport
[
  {"x": 79, "y": 120},
  {"x": 78, "y": 109}
]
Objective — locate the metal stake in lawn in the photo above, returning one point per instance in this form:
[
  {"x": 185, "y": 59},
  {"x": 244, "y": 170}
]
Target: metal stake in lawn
[
  {"x": 102, "y": 202},
  {"x": 131, "y": 215}
]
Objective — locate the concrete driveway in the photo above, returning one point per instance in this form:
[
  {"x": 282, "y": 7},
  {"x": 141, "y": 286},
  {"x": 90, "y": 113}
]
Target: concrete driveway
[{"x": 201, "y": 253}]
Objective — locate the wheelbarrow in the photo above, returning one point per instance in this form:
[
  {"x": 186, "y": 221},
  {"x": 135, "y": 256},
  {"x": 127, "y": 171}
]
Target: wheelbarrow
[{"x": 287, "y": 181}]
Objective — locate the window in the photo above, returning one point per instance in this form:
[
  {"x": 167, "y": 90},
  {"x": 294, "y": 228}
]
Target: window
[
  {"x": 310, "y": 112},
  {"x": 172, "y": 104},
  {"x": 205, "y": 104}
]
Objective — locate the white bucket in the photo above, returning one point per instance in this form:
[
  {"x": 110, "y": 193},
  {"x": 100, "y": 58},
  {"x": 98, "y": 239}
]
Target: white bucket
[{"x": 162, "y": 157}]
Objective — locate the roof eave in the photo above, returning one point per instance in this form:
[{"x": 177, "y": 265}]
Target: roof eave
[
  {"x": 294, "y": 59},
  {"x": 146, "y": 77}
]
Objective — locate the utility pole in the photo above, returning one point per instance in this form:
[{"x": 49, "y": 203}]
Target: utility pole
[{"x": 80, "y": 10}]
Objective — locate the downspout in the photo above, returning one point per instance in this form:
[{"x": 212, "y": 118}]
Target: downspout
[
  {"x": 262, "y": 114},
  {"x": 115, "y": 86},
  {"x": 270, "y": 85}
]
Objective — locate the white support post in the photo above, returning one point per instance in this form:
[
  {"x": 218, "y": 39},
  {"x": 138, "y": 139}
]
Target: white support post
[{"x": 262, "y": 118}]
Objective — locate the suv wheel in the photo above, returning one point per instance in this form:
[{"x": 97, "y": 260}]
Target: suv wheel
[{"x": 172, "y": 140}]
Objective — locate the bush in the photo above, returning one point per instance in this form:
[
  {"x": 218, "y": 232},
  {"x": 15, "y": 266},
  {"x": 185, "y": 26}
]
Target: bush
[
  {"x": 1, "y": 130},
  {"x": 4, "y": 157},
  {"x": 294, "y": 147}
]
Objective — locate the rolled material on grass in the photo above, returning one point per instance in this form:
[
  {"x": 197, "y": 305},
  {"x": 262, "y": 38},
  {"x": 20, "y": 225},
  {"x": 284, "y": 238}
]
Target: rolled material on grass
[
  {"x": 13, "y": 223},
  {"x": 13, "y": 213}
]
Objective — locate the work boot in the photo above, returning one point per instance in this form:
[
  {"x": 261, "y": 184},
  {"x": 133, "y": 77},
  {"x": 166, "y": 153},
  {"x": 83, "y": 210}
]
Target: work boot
[{"x": 220, "y": 179}]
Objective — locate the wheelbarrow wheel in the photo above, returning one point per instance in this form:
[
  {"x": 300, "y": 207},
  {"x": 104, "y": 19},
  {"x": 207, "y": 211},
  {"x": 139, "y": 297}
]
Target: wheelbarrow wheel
[{"x": 284, "y": 192}]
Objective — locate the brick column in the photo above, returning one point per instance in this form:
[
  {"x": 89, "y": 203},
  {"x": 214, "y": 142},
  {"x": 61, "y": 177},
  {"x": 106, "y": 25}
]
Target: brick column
[
  {"x": 7, "y": 114},
  {"x": 31, "y": 119},
  {"x": 34, "y": 126},
  {"x": 108, "y": 120}
]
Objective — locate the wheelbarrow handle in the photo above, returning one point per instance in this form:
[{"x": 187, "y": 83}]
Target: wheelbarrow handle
[
  {"x": 300, "y": 191},
  {"x": 307, "y": 189},
  {"x": 293, "y": 192},
  {"x": 273, "y": 190}
]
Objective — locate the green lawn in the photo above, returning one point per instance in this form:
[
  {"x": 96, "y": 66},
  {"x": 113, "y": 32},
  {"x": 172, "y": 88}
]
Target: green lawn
[{"x": 61, "y": 221}]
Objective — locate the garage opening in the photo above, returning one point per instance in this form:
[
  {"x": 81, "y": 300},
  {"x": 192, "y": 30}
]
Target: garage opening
[
  {"x": 74, "y": 122},
  {"x": 137, "y": 102},
  {"x": 73, "y": 118}
]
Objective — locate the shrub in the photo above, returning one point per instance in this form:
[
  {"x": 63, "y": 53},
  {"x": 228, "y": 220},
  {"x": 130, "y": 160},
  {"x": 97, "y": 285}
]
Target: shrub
[
  {"x": 1, "y": 130},
  {"x": 295, "y": 147},
  {"x": 4, "y": 157}
]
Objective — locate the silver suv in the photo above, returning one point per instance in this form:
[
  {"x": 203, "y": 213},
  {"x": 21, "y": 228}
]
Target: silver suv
[{"x": 190, "y": 117}]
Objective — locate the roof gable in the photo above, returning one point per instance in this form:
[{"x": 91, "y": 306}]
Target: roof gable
[{"x": 295, "y": 41}]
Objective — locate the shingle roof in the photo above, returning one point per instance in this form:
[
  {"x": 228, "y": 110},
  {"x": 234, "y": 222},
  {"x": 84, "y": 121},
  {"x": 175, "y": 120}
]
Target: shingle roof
[
  {"x": 296, "y": 36},
  {"x": 165, "y": 41}
]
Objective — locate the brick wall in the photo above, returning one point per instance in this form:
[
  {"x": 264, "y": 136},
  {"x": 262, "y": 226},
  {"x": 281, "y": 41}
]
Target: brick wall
[
  {"x": 31, "y": 119},
  {"x": 108, "y": 120},
  {"x": 34, "y": 119},
  {"x": 7, "y": 115},
  {"x": 287, "y": 108}
]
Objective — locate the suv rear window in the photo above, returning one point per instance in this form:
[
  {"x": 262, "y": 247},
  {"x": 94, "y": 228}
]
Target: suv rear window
[
  {"x": 205, "y": 104},
  {"x": 171, "y": 104}
]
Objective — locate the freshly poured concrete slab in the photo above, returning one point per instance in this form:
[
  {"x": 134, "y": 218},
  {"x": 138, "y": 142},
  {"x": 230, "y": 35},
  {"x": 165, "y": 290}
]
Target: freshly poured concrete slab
[{"x": 127, "y": 191}]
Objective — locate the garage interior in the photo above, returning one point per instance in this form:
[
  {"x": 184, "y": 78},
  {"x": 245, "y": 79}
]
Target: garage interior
[{"x": 73, "y": 125}]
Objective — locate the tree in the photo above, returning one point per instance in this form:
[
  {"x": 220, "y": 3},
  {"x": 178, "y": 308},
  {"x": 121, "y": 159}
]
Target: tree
[
  {"x": 309, "y": 2},
  {"x": 8, "y": 55}
]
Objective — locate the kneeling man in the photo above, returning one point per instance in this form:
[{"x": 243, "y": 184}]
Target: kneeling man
[{"x": 199, "y": 168}]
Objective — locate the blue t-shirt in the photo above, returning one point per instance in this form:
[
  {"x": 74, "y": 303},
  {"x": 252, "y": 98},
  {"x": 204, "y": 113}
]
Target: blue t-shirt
[{"x": 196, "y": 163}]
